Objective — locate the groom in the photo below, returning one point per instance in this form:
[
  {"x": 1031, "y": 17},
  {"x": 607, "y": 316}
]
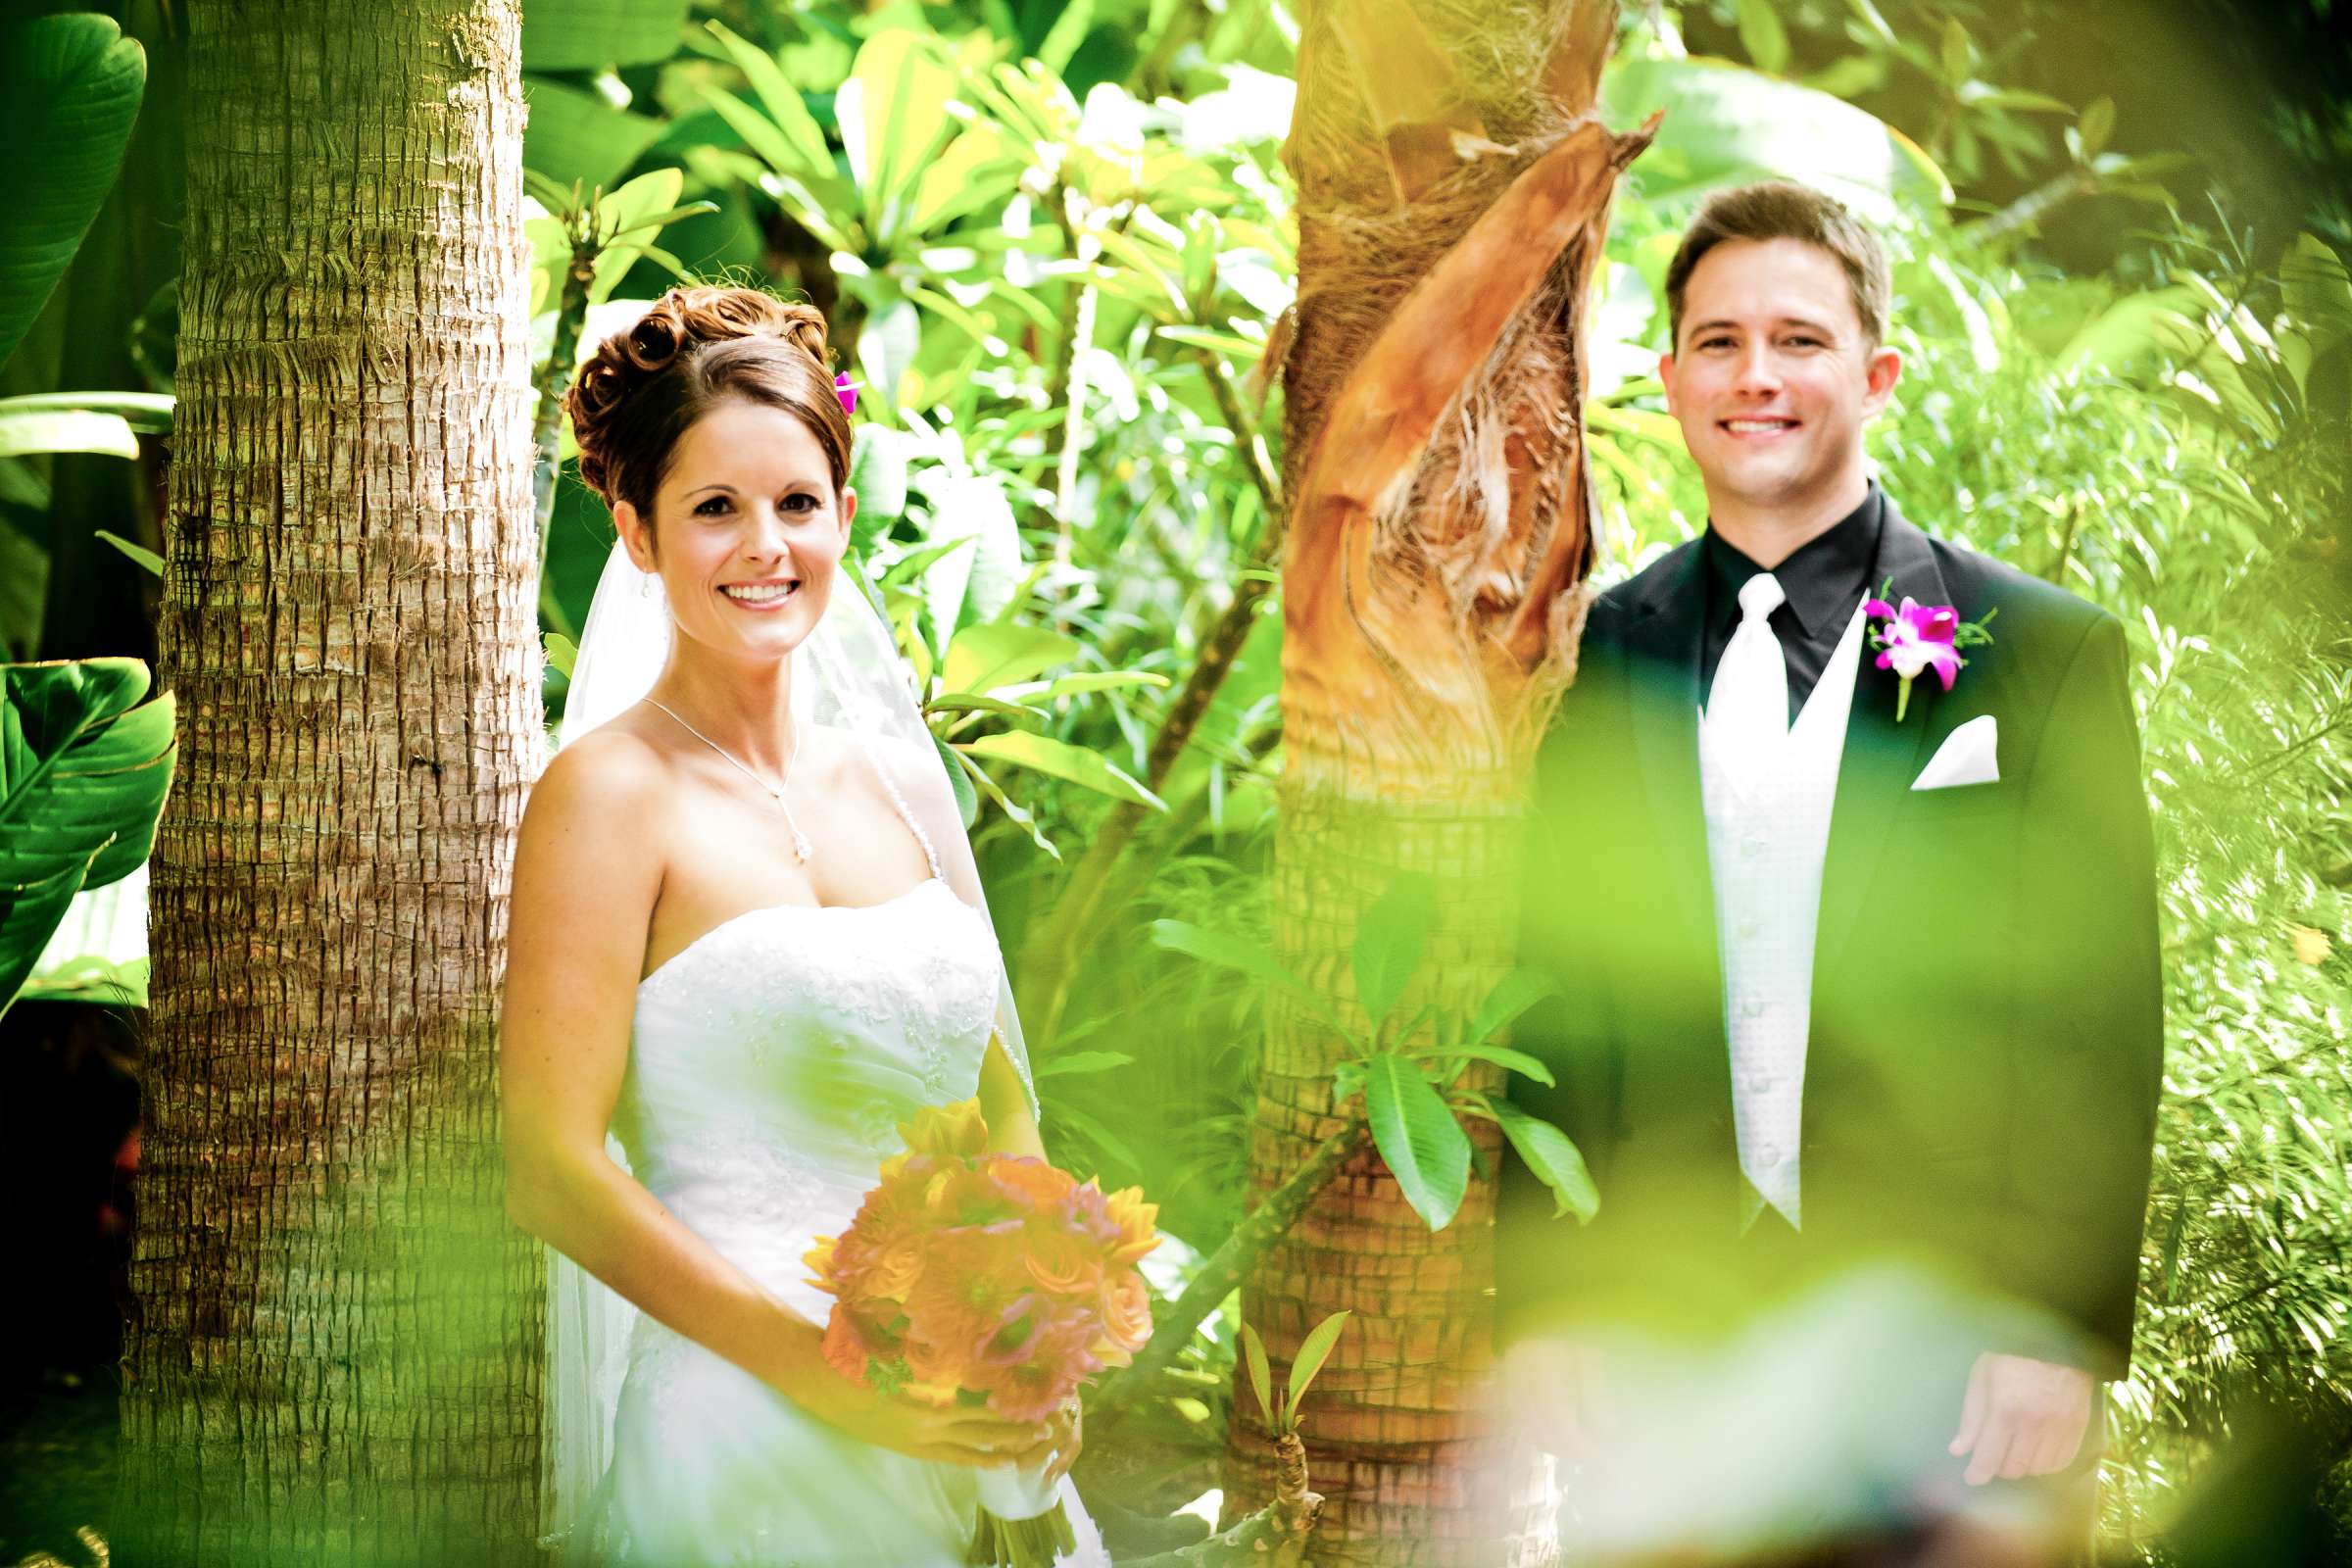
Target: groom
[{"x": 1848, "y": 976}]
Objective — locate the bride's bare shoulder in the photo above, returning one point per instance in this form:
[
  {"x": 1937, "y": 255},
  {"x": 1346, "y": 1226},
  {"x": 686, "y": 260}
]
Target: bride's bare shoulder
[{"x": 614, "y": 775}]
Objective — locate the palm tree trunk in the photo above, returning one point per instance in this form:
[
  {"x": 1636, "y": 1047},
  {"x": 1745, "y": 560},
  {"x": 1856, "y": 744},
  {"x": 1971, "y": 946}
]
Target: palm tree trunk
[
  {"x": 1453, "y": 190},
  {"x": 334, "y": 1352}
]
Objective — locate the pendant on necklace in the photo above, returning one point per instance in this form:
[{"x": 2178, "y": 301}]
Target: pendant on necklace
[{"x": 800, "y": 839}]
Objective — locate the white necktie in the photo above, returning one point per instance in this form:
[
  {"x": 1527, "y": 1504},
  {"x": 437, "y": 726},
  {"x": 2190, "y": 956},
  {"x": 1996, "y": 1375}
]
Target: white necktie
[
  {"x": 1748, "y": 738},
  {"x": 1747, "y": 707}
]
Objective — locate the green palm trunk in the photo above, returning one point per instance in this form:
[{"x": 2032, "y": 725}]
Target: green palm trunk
[
  {"x": 1452, "y": 197},
  {"x": 1395, "y": 1438},
  {"x": 334, "y": 1352}
]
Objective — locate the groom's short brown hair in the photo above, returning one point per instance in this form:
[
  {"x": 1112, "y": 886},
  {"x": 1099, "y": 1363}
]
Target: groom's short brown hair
[{"x": 1781, "y": 209}]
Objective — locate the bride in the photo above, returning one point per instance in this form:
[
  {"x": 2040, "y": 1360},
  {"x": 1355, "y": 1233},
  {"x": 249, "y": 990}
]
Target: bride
[{"x": 747, "y": 940}]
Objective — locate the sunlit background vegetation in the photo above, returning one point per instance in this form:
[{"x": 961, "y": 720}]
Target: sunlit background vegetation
[{"x": 1054, "y": 239}]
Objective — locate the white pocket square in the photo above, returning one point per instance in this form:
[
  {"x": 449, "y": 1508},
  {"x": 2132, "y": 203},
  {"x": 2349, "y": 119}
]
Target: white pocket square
[{"x": 1966, "y": 756}]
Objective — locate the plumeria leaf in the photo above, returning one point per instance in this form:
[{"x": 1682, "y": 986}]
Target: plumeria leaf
[
  {"x": 1389, "y": 942},
  {"x": 1423, "y": 1145},
  {"x": 1073, "y": 764},
  {"x": 1262, "y": 1377},
  {"x": 1346, "y": 1080},
  {"x": 1551, "y": 1156},
  {"x": 1518, "y": 1062},
  {"x": 1313, "y": 1352},
  {"x": 1511, "y": 996}
]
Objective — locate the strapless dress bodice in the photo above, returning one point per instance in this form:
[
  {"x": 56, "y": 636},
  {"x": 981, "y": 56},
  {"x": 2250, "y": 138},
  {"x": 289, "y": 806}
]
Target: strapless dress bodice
[{"x": 774, "y": 1058}]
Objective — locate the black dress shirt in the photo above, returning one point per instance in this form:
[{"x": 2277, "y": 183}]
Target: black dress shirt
[{"x": 1825, "y": 579}]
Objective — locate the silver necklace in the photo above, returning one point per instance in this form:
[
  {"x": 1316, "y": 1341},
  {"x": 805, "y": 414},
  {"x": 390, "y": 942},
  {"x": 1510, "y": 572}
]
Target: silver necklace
[{"x": 776, "y": 791}]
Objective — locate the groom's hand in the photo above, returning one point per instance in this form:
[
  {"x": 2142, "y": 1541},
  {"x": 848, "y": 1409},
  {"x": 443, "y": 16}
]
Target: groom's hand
[{"x": 2021, "y": 1417}]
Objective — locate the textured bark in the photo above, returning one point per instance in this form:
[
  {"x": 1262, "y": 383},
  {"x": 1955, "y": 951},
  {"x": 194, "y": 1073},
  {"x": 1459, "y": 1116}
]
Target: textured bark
[
  {"x": 1453, "y": 191},
  {"x": 334, "y": 1347}
]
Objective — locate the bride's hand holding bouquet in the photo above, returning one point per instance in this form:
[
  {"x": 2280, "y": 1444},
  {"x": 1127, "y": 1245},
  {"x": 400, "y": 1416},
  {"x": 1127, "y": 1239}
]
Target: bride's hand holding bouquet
[{"x": 987, "y": 1288}]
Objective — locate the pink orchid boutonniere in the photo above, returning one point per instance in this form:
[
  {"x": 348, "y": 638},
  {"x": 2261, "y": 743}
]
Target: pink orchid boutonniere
[{"x": 1920, "y": 637}]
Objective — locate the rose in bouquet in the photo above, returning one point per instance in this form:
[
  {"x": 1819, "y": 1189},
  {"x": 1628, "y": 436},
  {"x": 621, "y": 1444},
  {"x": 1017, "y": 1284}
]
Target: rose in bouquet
[{"x": 988, "y": 1279}]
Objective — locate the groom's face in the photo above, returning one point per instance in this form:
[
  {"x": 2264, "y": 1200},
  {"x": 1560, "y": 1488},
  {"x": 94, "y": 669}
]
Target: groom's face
[{"x": 1773, "y": 376}]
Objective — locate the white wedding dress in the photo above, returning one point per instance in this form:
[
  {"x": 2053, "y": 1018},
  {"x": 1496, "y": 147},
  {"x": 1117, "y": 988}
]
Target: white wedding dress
[{"x": 770, "y": 1064}]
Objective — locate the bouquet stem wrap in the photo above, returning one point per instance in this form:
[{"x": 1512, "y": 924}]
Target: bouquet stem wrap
[{"x": 1022, "y": 1523}]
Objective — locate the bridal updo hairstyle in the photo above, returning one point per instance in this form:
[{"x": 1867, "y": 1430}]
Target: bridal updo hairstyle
[{"x": 693, "y": 350}]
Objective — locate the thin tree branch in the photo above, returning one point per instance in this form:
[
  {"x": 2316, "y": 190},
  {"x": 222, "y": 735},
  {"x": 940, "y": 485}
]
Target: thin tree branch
[
  {"x": 1222, "y": 1273},
  {"x": 1054, "y": 954}
]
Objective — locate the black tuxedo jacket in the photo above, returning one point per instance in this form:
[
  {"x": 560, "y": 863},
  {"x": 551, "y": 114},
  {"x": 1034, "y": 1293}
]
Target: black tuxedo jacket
[{"x": 1984, "y": 1058}]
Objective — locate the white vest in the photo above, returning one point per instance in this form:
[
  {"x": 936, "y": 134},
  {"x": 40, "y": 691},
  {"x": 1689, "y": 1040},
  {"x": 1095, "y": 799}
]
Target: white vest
[{"x": 1768, "y": 832}]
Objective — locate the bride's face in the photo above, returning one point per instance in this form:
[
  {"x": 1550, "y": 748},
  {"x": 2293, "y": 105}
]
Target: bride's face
[{"x": 747, "y": 532}]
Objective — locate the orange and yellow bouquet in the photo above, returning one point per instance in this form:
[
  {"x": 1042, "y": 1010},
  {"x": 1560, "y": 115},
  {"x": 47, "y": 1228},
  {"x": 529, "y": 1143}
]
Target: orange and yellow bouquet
[{"x": 996, "y": 1278}]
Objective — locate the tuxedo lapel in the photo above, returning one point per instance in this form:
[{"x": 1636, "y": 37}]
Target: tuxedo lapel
[
  {"x": 1662, "y": 656},
  {"x": 1882, "y": 757}
]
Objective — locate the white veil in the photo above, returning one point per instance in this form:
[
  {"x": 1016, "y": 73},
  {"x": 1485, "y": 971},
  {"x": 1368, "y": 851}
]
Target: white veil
[{"x": 847, "y": 675}]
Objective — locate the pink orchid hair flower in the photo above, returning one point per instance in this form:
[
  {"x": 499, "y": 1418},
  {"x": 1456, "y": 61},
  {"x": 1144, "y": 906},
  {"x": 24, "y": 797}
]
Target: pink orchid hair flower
[{"x": 846, "y": 390}]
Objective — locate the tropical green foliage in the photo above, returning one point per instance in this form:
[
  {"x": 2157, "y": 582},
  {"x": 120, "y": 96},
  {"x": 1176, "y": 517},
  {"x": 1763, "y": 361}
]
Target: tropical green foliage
[
  {"x": 84, "y": 762},
  {"x": 76, "y": 83},
  {"x": 1408, "y": 1072},
  {"x": 1282, "y": 1416},
  {"x": 1053, "y": 240}
]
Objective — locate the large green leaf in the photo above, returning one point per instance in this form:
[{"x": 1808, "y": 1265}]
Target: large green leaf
[
  {"x": 1313, "y": 1352},
  {"x": 2316, "y": 293},
  {"x": 1261, "y": 1378},
  {"x": 878, "y": 466},
  {"x": 992, "y": 654},
  {"x": 1424, "y": 1146},
  {"x": 1518, "y": 1062},
  {"x": 24, "y": 588},
  {"x": 978, "y": 169},
  {"x": 1243, "y": 957},
  {"x": 84, "y": 764},
  {"x": 28, "y": 917},
  {"x": 1074, "y": 764},
  {"x": 1726, "y": 125},
  {"x": 1551, "y": 1156},
  {"x": 886, "y": 349},
  {"x": 1389, "y": 940},
  {"x": 72, "y": 85},
  {"x": 628, "y": 220},
  {"x": 149, "y": 412},
  {"x": 591, "y": 34},
  {"x": 1512, "y": 996},
  {"x": 574, "y": 134},
  {"x": 893, "y": 118},
  {"x": 2159, "y": 321},
  {"x": 968, "y": 798},
  {"x": 28, "y": 430},
  {"x": 1763, "y": 35},
  {"x": 972, "y": 585},
  {"x": 799, "y": 142}
]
